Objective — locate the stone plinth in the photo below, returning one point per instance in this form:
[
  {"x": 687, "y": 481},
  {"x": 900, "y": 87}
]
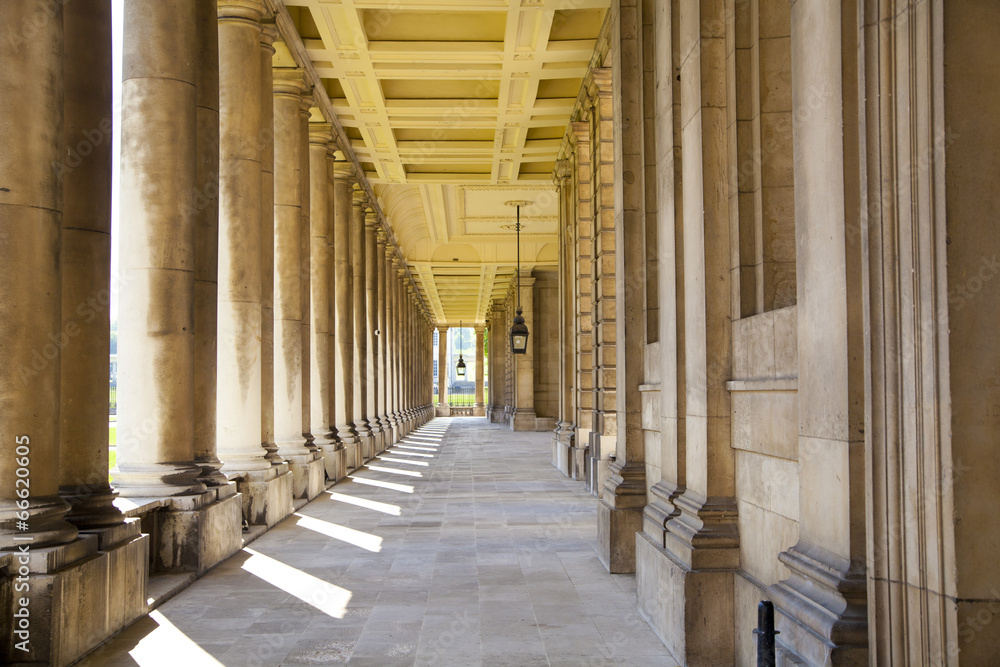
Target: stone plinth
[
  {"x": 195, "y": 533},
  {"x": 680, "y": 603},
  {"x": 103, "y": 572},
  {"x": 307, "y": 476},
  {"x": 266, "y": 495}
]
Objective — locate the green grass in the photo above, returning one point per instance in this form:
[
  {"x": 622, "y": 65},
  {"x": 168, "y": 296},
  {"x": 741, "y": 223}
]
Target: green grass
[{"x": 113, "y": 454}]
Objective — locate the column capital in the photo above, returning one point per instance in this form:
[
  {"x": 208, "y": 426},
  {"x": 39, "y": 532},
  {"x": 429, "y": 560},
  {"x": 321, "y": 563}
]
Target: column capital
[
  {"x": 307, "y": 102},
  {"x": 598, "y": 81},
  {"x": 343, "y": 170},
  {"x": 320, "y": 133},
  {"x": 289, "y": 81},
  {"x": 268, "y": 35},
  {"x": 562, "y": 172},
  {"x": 359, "y": 197},
  {"x": 371, "y": 219},
  {"x": 241, "y": 10},
  {"x": 381, "y": 236}
]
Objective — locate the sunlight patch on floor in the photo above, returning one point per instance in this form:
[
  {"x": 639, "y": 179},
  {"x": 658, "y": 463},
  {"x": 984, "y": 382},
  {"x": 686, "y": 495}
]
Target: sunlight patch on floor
[
  {"x": 366, "y": 541},
  {"x": 405, "y": 488},
  {"x": 384, "y": 508},
  {"x": 326, "y": 597},
  {"x": 167, "y": 646}
]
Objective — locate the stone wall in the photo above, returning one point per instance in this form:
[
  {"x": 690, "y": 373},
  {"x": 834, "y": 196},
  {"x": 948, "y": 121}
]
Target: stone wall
[{"x": 547, "y": 350}]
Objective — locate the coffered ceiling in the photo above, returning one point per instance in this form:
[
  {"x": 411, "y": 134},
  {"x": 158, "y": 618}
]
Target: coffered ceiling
[{"x": 454, "y": 107}]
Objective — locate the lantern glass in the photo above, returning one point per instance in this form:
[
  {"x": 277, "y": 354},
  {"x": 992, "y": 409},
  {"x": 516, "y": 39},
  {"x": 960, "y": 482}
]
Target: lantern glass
[
  {"x": 519, "y": 335},
  {"x": 460, "y": 367}
]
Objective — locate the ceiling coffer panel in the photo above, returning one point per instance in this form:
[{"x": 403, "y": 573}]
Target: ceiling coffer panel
[{"x": 453, "y": 108}]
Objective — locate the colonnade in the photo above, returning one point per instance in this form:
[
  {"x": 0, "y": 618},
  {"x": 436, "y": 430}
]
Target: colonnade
[
  {"x": 771, "y": 224},
  {"x": 271, "y": 339}
]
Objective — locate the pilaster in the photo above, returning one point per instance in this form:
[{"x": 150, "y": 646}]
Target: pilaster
[
  {"x": 523, "y": 417},
  {"x": 623, "y": 497},
  {"x": 479, "y": 409}
]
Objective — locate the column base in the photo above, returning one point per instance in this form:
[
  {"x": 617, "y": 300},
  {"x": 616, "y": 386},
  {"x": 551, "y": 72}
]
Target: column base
[
  {"x": 478, "y": 410},
  {"x": 157, "y": 480},
  {"x": 390, "y": 433},
  {"x": 598, "y": 466},
  {"x": 523, "y": 419},
  {"x": 821, "y": 609},
  {"x": 266, "y": 494},
  {"x": 195, "y": 533},
  {"x": 378, "y": 439},
  {"x": 659, "y": 511},
  {"x": 619, "y": 517},
  {"x": 442, "y": 410},
  {"x": 562, "y": 445},
  {"x": 78, "y": 595},
  {"x": 691, "y": 611}
]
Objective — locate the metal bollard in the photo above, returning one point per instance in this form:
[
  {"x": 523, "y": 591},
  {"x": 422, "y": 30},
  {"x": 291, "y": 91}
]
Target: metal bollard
[{"x": 765, "y": 634}]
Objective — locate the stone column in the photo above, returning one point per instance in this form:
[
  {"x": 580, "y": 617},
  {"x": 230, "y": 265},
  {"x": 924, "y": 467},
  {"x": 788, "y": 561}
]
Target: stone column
[
  {"x": 442, "y": 406},
  {"x": 206, "y": 285},
  {"x": 479, "y": 409},
  {"x": 31, "y": 202},
  {"x": 562, "y": 439},
  {"x": 702, "y": 540},
  {"x": 158, "y": 170},
  {"x": 392, "y": 319},
  {"x": 289, "y": 183},
  {"x": 583, "y": 302},
  {"x": 604, "y": 437},
  {"x": 360, "y": 320},
  {"x": 822, "y": 604},
  {"x": 371, "y": 331},
  {"x": 670, "y": 241},
  {"x": 387, "y": 333},
  {"x": 320, "y": 282},
  {"x": 382, "y": 338},
  {"x": 499, "y": 342},
  {"x": 305, "y": 277},
  {"x": 268, "y": 35},
  {"x": 623, "y": 497},
  {"x": 240, "y": 203},
  {"x": 334, "y": 458},
  {"x": 397, "y": 337},
  {"x": 344, "y": 321},
  {"x": 86, "y": 265},
  {"x": 411, "y": 354},
  {"x": 523, "y": 417},
  {"x": 243, "y": 139}
]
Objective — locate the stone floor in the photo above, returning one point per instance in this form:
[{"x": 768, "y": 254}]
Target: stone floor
[{"x": 461, "y": 545}]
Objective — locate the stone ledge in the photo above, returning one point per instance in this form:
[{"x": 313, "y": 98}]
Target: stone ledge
[{"x": 764, "y": 384}]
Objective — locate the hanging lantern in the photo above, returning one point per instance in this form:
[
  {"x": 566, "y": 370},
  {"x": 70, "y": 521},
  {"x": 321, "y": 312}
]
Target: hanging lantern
[
  {"x": 460, "y": 366},
  {"x": 519, "y": 331},
  {"x": 519, "y": 335}
]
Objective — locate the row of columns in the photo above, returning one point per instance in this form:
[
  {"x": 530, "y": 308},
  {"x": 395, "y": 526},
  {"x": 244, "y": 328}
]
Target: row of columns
[
  {"x": 512, "y": 376},
  {"x": 270, "y": 335},
  {"x": 882, "y": 316}
]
